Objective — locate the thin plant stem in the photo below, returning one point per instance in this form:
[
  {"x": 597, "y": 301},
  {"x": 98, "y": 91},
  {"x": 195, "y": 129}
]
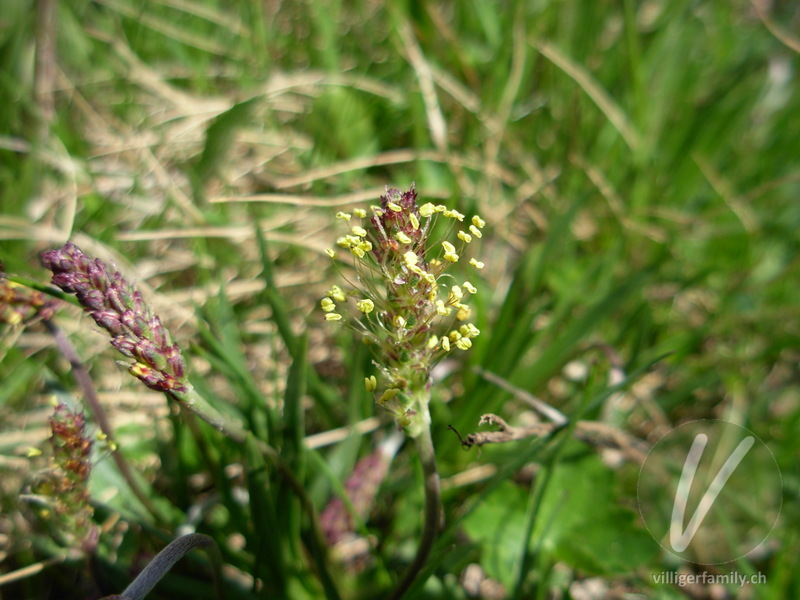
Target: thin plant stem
[
  {"x": 99, "y": 413},
  {"x": 433, "y": 503},
  {"x": 318, "y": 548}
]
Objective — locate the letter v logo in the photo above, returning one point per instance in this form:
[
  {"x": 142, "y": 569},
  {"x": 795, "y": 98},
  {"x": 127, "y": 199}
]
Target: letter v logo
[
  {"x": 712, "y": 480},
  {"x": 679, "y": 538}
]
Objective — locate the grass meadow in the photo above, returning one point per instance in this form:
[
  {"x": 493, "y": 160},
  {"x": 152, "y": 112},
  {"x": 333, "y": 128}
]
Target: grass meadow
[{"x": 636, "y": 166}]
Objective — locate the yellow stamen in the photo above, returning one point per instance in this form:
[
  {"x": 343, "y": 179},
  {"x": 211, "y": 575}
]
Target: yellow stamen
[
  {"x": 327, "y": 305},
  {"x": 426, "y": 210},
  {"x": 389, "y": 394},
  {"x": 464, "y": 343},
  {"x": 366, "y": 306},
  {"x": 469, "y": 330},
  {"x": 337, "y": 294}
]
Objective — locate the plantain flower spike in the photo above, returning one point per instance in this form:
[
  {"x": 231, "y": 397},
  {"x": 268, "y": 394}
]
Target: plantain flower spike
[
  {"x": 406, "y": 302},
  {"x": 66, "y": 484},
  {"x": 120, "y": 309}
]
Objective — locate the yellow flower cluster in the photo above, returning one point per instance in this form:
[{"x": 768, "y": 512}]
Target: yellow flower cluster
[{"x": 404, "y": 295}]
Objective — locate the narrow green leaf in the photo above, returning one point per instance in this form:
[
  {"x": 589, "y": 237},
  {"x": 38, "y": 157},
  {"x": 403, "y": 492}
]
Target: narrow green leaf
[{"x": 265, "y": 535}]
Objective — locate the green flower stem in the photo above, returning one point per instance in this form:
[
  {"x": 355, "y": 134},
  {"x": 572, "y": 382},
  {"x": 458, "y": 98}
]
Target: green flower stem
[
  {"x": 433, "y": 499},
  {"x": 195, "y": 403}
]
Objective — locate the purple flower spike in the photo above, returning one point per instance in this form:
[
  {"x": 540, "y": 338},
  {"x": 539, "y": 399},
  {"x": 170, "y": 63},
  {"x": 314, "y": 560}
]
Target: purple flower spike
[{"x": 120, "y": 309}]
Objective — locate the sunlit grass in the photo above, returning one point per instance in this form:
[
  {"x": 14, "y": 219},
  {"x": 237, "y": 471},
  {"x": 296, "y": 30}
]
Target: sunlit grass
[{"x": 636, "y": 167}]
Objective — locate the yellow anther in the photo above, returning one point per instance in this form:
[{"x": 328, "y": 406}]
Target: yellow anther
[
  {"x": 393, "y": 206},
  {"x": 370, "y": 383},
  {"x": 330, "y": 252},
  {"x": 445, "y": 344},
  {"x": 470, "y": 288},
  {"x": 453, "y": 214},
  {"x": 427, "y": 209},
  {"x": 464, "y": 237},
  {"x": 410, "y": 258},
  {"x": 366, "y": 306},
  {"x": 402, "y": 238},
  {"x": 359, "y": 231},
  {"x": 414, "y": 221},
  {"x": 476, "y": 263},
  {"x": 389, "y": 394},
  {"x": 475, "y": 231},
  {"x": 332, "y": 316},
  {"x": 343, "y": 216},
  {"x": 464, "y": 343},
  {"x": 464, "y": 312},
  {"x": 360, "y": 213},
  {"x": 327, "y": 305},
  {"x": 337, "y": 294},
  {"x": 469, "y": 331},
  {"x": 478, "y": 222}
]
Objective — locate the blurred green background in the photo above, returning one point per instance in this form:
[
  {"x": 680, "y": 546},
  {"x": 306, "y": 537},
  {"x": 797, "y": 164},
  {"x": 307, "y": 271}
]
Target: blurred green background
[{"x": 636, "y": 163}]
